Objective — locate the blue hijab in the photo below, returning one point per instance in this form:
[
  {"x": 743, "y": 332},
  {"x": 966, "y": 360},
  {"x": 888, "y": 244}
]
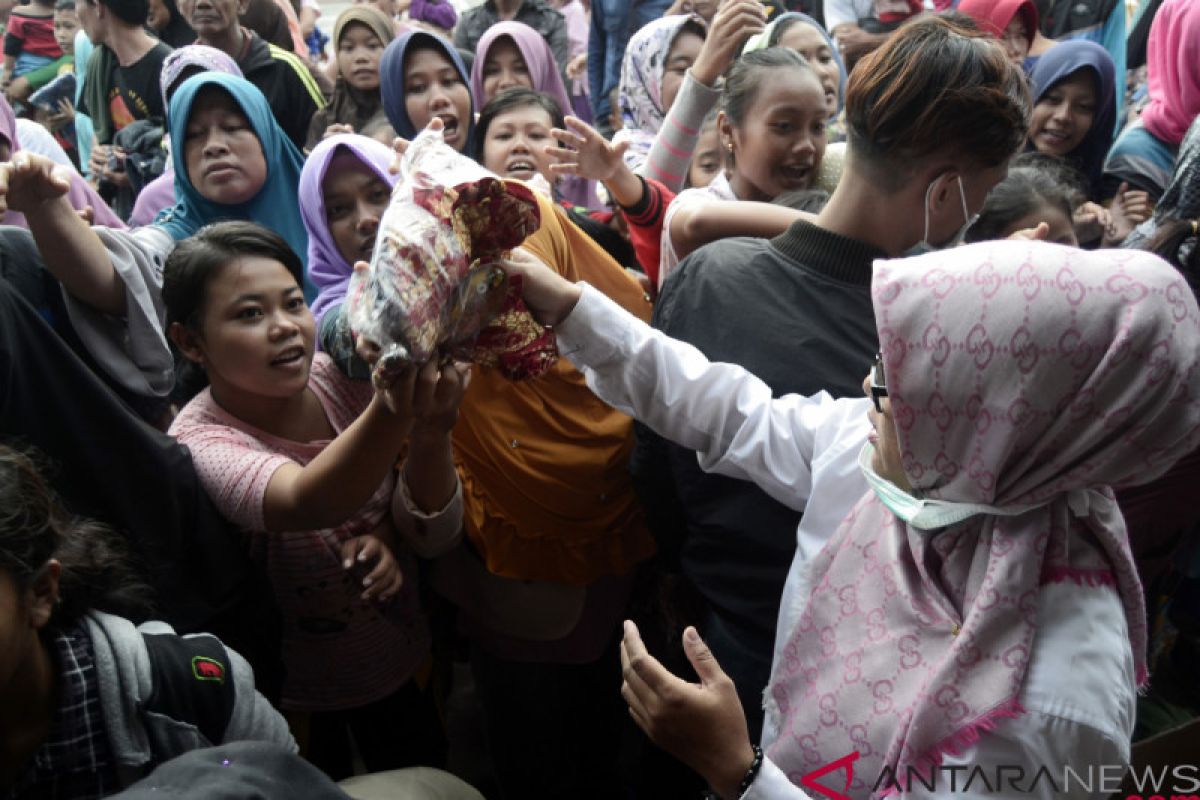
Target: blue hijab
[
  {"x": 774, "y": 32},
  {"x": 391, "y": 81},
  {"x": 277, "y": 204},
  {"x": 1062, "y": 61}
]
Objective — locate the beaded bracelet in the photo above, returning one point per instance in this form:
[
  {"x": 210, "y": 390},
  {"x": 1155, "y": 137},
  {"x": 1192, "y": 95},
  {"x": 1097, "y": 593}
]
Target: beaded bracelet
[{"x": 751, "y": 773}]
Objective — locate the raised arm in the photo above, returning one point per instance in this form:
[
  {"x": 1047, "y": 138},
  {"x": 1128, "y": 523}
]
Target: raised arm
[
  {"x": 341, "y": 479},
  {"x": 672, "y": 150},
  {"x": 71, "y": 250},
  {"x": 692, "y": 225},
  {"x": 720, "y": 410}
]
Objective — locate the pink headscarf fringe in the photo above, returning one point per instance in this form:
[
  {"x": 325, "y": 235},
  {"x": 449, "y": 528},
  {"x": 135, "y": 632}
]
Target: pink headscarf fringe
[
  {"x": 1082, "y": 577},
  {"x": 960, "y": 740}
]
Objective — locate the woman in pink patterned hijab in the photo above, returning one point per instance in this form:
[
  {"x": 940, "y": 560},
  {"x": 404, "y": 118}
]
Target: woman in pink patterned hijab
[
  {"x": 1029, "y": 381},
  {"x": 978, "y": 604}
]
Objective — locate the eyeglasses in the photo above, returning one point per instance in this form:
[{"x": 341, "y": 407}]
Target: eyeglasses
[{"x": 878, "y": 383}]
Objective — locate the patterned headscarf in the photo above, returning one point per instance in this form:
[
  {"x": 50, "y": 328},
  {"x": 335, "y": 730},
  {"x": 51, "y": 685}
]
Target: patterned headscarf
[
  {"x": 1021, "y": 375},
  {"x": 328, "y": 270},
  {"x": 200, "y": 56},
  {"x": 539, "y": 59},
  {"x": 642, "y": 111},
  {"x": 1174, "y": 79},
  {"x": 1061, "y": 62}
]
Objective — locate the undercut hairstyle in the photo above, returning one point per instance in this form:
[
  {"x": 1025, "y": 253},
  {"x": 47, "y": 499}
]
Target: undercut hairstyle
[{"x": 935, "y": 89}]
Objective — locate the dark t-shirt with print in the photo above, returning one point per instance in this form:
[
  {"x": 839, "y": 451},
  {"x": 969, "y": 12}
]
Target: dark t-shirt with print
[{"x": 134, "y": 93}]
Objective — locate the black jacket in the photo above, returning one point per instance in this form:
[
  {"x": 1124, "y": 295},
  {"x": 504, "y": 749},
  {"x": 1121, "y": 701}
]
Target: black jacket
[
  {"x": 537, "y": 14},
  {"x": 289, "y": 86},
  {"x": 795, "y": 311}
]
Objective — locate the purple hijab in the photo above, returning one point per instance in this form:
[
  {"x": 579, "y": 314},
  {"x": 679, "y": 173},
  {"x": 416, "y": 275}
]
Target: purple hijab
[
  {"x": 328, "y": 270},
  {"x": 543, "y": 70},
  {"x": 539, "y": 59}
]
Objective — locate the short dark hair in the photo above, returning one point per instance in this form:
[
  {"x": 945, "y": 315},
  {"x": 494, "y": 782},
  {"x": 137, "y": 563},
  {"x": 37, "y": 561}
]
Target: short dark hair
[
  {"x": 196, "y": 260},
  {"x": 516, "y": 97},
  {"x": 64, "y": 5},
  {"x": 193, "y": 264},
  {"x": 935, "y": 88},
  {"x": 131, "y": 12},
  {"x": 97, "y": 572}
]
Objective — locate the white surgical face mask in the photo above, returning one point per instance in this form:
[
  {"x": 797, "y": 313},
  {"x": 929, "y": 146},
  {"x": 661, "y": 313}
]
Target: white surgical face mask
[
  {"x": 923, "y": 246},
  {"x": 925, "y": 513}
]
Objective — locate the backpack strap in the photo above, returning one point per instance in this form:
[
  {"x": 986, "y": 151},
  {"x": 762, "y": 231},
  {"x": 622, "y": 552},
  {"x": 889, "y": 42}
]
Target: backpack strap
[{"x": 193, "y": 682}]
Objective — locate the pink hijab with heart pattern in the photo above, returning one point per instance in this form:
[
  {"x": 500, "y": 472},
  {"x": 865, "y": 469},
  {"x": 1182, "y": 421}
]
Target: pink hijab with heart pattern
[{"x": 1018, "y": 373}]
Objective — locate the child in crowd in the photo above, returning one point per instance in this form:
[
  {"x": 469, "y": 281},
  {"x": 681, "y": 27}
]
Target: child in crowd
[
  {"x": 90, "y": 703},
  {"x": 772, "y": 128},
  {"x": 1027, "y": 198},
  {"x": 29, "y": 40},
  {"x": 304, "y": 461},
  {"x": 66, "y": 23},
  {"x": 707, "y": 162},
  {"x": 359, "y": 37}
]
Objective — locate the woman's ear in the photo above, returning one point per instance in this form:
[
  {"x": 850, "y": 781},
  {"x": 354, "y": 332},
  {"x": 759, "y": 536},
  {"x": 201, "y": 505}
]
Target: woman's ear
[
  {"x": 44, "y": 594},
  {"x": 725, "y": 133},
  {"x": 187, "y": 341}
]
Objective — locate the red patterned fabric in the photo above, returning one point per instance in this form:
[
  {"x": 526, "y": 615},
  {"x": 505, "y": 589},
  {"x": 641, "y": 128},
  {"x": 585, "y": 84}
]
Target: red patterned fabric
[
  {"x": 433, "y": 289},
  {"x": 1019, "y": 374}
]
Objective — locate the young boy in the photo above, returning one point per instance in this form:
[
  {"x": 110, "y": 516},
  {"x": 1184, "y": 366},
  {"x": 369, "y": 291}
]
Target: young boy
[
  {"x": 29, "y": 39},
  {"x": 66, "y": 23}
]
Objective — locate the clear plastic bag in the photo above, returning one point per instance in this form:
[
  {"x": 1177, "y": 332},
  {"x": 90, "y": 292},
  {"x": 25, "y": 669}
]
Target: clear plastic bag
[{"x": 433, "y": 288}]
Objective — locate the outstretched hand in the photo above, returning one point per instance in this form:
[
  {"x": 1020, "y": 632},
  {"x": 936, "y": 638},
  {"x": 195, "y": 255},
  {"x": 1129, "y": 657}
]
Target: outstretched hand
[
  {"x": 1130, "y": 208},
  {"x": 424, "y": 393},
  {"x": 587, "y": 153},
  {"x": 549, "y": 296},
  {"x": 700, "y": 724},
  {"x": 29, "y": 181},
  {"x": 450, "y": 382}
]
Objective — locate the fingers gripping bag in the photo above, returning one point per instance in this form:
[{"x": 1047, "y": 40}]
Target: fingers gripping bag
[{"x": 433, "y": 288}]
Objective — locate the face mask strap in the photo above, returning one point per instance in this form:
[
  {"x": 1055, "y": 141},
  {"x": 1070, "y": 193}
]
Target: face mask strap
[
  {"x": 962, "y": 193},
  {"x": 928, "y": 194}
]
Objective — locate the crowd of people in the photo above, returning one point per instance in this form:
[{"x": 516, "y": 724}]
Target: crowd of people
[{"x": 865, "y": 458}]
